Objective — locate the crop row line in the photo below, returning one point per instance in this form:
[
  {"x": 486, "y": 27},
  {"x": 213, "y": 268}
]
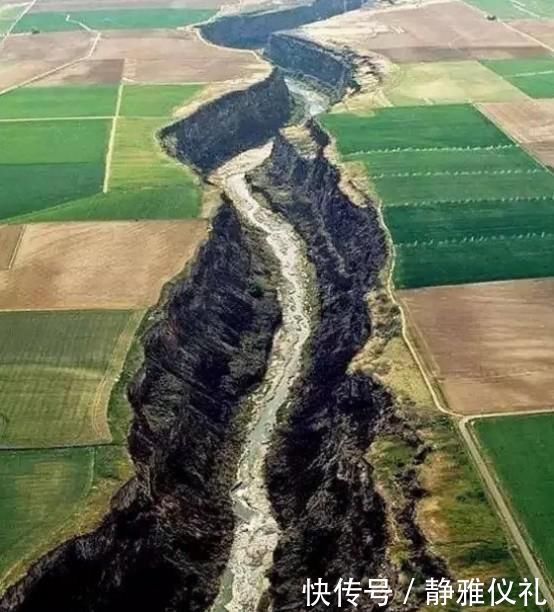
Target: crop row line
[
  {"x": 460, "y": 173},
  {"x": 430, "y": 149},
  {"x": 473, "y": 239},
  {"x": 425, "y": 203}
]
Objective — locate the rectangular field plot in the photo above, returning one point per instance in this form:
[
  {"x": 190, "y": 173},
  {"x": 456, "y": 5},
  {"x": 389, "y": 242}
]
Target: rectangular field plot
[
  {"x": 413, "y": 128},
  {"x": 39, "y": 491},
  {"x": 474, "y": 261},
  {"x": 56, "y": 373},
  {"x": 391, "y": 163},
  {"x": 97, "y": 265},
  {"x": 520, "y": 451},
  {"x": 520, "y": 9},
  {"x": 447, "y": 83},
  {"x": 54, "y": 102},
  {"x": 44, "y": 164},
  {"x": 534, "y": 77},
  {"x": 416, "y": 190},
  {"x": 155, "y": 100},
  {"x": 490, "y": 346},
  {"x": 114, "y": 19},
  {"x": 436, "y": 222}
]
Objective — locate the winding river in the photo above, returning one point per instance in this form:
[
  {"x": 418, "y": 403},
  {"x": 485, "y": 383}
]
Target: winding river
[{"x": 256, "y": 532}]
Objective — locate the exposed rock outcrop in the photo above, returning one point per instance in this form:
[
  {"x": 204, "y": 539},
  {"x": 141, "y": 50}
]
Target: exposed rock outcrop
[
  {"x": 166, "y": 541},
  {"x": 333, "y": 522},
  {"x": 252, "y": 30},
  {"x": 230, "y": 125},
  {"x": 332, "y": 70}
]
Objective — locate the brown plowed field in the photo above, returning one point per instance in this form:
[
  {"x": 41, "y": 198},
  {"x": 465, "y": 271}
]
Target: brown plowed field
[
  {"x": 530, "y": 122},
  {"x": 101, "y": 72},
  {"x": 440, "y": 31},
  {"x": 9, "y": 240},
  {"x": 490, "y": 346},
  {"x": 166, "y": 56},
  {"x": 79, "y": 266}
]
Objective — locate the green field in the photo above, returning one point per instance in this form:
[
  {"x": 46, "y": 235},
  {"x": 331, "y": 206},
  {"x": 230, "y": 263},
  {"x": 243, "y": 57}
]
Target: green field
[
  {"x": 421, "y": 189},
  {"x": 39, "y": 491},
  {"x": 46, "y": 163},
  {"x": 522, "y": 9},
  {"x": 510, "y": 157},
  {"x": 474, "y": 261},
  {"x": 9, "y": 14},
  {"x": 413, "y": 127},
  {"x": 446, "y": 83},
  {"x": 115, "y": 19},
  {"x": 155, "y": 100},
  {"x": 535, "y": 77},
  {"x": 520, "y": 449},
  {"x": 53, "y": 102},
  {"x": 456, "y": 221},
  {"x": 155, "y": 203},
  {"x": 51, "y": 367}
]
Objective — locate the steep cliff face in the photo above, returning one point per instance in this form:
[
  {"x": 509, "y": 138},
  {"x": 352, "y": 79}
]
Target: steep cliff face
[
  {"x": 333, "y": 70},
  {"x": 230, "y": 125},
  {"x": 253, "y": 30},
  {"x": 333, "y": 522},
  {"x": 166, "y": 541}
]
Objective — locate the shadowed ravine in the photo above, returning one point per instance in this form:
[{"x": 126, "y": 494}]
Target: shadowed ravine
[{"x": 256, "y": 532}]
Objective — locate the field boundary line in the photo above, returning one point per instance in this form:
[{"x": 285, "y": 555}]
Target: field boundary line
[
  {"x": 475, "y": 239},
  {"x": 513, "y": 145},
  {"x": 16, "y": 248},
  {"x": 14, "y": 24},
  {"x": 111, "y": 142},
  {"x": 500, "y": 172},
  {"x": 52, "y": 71},
  {"x": 39, "y": 119},
  {"x": 422, "y": 203},
  {"x": 503, "y": 504}
]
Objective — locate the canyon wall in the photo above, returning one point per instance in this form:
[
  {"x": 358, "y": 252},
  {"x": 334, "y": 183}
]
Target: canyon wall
[
  {"x": 333, "y": 70},
  {"x": 333, "y": 521},
  {"x": 252, "y": 30},
  {"x": 230, "y": 125},
  {"x": 166, "y": 541}
]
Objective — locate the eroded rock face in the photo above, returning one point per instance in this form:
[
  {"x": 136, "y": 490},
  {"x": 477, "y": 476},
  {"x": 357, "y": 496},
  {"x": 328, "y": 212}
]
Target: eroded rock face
[
  {"x": 252, "y": 30},
  {"x": 230, "y": 125},
  {"x": 333, "y": 522},
  {"x": 166, "y": 541},
  {"x": 333, "y": 70}
]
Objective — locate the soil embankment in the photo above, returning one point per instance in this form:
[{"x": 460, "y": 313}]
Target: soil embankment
[
  {"x": 252, "y": 30},
  {"x": 166, "y": 541}
]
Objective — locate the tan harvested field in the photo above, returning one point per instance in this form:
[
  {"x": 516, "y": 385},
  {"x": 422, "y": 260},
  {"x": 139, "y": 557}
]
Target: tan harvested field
[
  {"x": 77, "y": 266},
  {"x": 169, "y": 56},
  {"x": 101, "y": 72},
  {"x": 28, "y": 56},
  {"x": 542, "y": 30},
  {"x": 435, "y": 32},
  {"x": 490, "y": 346},
  {"x": 530, "y": 122},
  {"x": 9, "y": 241}
]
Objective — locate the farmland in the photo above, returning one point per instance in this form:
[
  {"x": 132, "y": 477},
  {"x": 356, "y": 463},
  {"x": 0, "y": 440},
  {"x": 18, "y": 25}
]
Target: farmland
[
  {"x": 503, "y": 334},
  {"x": 39, "y": 491},
  {"x": 506, "y": 9},
  {"x": 446, "y": 83},
  {"x": 56, "y": 264},
  {"x": 156, "y": 100},
  {"x": 458, "y": 190},
  {"x": 534, "y": 77},
  {"x": 111, "y": 19},
  {"x": 56, "y": 372},
  {"x": 520, "y": 450}
]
